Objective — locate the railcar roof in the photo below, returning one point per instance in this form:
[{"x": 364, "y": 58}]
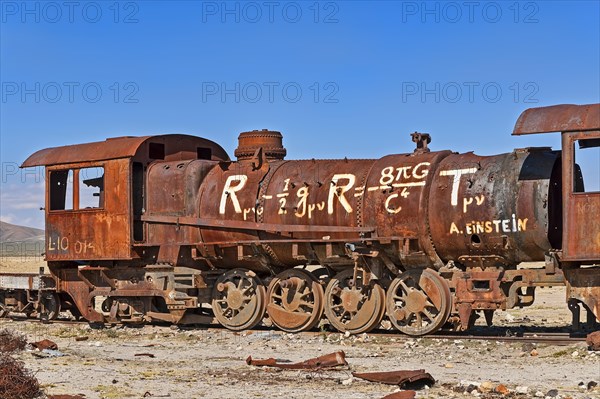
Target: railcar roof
[
  {"x": 121, "y": 147},
  {"x": 558, "y": 118}
]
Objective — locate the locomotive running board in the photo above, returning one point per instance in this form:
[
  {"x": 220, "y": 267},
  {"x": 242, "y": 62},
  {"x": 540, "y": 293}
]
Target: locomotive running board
[{"x": 243, "y": 225}]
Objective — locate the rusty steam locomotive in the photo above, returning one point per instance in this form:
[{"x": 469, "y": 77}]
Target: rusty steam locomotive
[{"x": 168, "y": 228}]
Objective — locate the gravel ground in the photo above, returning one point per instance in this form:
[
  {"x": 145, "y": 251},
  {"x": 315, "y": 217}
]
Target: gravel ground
[{"x": 210, "y": 362}]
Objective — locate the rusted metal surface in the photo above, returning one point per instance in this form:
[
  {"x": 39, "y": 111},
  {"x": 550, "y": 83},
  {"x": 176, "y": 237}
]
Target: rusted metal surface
[
  {"x": 257, "y": 143},
  {"x": 239, "y": 299},
  {"x": 583, "y": 285},
  {"x": 558, "y": 118},
  {"x": 399, "y": 377},
  {"x": 353, "y": 302},
  {"x": 418, "y": 302},
  {"x": 175, "y": 147},
  {"x": 44, "y": 344},
  {"x": 296, "y": 300},
  {"x": 408, "y": 394},
  {"x": 335, "y": 359},
  {"x": 581, "y": 210},
  {"x": 492, "y": 211}
]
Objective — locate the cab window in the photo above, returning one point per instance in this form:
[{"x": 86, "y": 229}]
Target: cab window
[
  {"x": 586, "y": 166},
  {"x": 61, "y": 190},
  {"x": 77, "y": 189}
]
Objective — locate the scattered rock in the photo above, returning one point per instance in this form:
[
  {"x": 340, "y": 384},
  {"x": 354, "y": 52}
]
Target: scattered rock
[
  {"x": 522, "y": 389},
  {"x": 534, "y": 352},
  {"x": 527, "y": 347},
  {"x": 347, "y": 381},
  {"x": 552, "y": 393},
  {"x": 591, "y": 385},
  {"x": 486, "y": 386},
  {"x": 575, "y": 354},
  {"x": 448, "y": 365},
  {"x": 471, "y": 388},
  {"x": 539, "y": 394},
  {"x": 386, "y": 325}
]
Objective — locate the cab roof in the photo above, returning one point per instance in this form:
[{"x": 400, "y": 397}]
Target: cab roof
[
  {"x": 558, "y": 118},
  {"x": 170, "y": 147}
]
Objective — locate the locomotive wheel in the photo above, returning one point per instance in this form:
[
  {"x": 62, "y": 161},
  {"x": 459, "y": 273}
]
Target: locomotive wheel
[
  {"x": 355, "y": 308},
  {"x": 52, "y": 304},
  {"x": 239, "y": 300},
  {"x": 418, "y": 302},
  {"x": 295, "y": 300}
]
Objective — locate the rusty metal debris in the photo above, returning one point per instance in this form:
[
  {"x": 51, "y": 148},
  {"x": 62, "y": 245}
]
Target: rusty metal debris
[
  {"x": 17, "y": 382},
  {"x": 45, "y": 344},
  {"x": 11, "y": 341},
  {"x": 401, "y": 395},
  {"x": 335, "y": 359},
  {"x": 400, "y": 377}
]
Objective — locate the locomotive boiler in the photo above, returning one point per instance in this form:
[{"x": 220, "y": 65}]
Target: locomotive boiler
[{"x": 170, "y": 228}]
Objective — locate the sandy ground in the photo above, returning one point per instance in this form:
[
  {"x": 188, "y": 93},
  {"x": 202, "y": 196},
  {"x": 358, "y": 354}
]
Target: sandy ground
[
  {"x": 209, "y": 362},
  {"x": 22, "y": 264}
]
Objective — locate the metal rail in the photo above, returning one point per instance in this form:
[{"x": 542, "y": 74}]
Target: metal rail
[{"x": 550, "y": 338}]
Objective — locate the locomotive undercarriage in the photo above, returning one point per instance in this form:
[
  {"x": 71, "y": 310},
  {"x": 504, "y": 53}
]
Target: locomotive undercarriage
[{"x": 416, "y": 301}]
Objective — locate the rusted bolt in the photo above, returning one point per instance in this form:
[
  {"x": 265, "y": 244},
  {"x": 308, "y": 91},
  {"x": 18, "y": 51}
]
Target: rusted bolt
[{"x": 221, "y": 287}]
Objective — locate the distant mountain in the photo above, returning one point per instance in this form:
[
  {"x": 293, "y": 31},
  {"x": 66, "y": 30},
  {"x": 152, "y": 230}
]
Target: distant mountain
[{"x": 13, "y": 233}]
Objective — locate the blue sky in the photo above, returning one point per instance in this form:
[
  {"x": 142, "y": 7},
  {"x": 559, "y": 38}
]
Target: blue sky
[{"x": 336, "y": 78}]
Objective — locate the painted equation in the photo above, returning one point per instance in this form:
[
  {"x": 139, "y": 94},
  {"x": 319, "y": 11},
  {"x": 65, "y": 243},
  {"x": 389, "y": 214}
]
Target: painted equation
[
  {"x": 396, "y": 182},
  {"x": 342, "y": 187}
]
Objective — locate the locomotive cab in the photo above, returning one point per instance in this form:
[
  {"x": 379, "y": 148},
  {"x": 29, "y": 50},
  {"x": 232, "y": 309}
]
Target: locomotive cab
[
  {"x": 579, "y": 254},
  {"x": 95, "y": 199},
  {"x": 95, "y": 193}
]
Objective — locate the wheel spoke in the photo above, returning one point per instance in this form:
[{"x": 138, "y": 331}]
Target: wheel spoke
[
  {"x": 306, "y": 303},
  {"x": 404, "y": 286},
  {"x": 428, "y": 314}
]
